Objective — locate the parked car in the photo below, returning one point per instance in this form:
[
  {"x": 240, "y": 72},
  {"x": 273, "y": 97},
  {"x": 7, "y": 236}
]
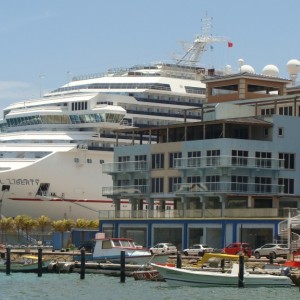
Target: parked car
[
  {"x": 161, "y": 248},
  {"x": 87, "y": 245},
  {"x": 197, "y": 249},
  {"x": 275, "y": 250},
  {"x": 235, "y": 248}
]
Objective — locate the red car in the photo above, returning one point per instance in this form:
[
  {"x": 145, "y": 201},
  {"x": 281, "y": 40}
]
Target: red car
[{"x": 235, "y": 248}]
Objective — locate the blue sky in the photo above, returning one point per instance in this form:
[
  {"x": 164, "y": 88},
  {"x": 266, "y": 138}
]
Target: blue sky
[{"x": 62, "y": 38}]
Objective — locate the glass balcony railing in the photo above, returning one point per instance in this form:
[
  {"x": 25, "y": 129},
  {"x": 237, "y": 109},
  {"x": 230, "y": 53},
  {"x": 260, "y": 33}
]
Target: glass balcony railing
[
  {"x": 187, "y": 189},
  {"x": 125, "y": 191},
  {"x": 127, "y": 166},
  {"x": 227, "y": 187},
  {"x": 228, "y": 161},
  {"x": 193, "y": 213}
]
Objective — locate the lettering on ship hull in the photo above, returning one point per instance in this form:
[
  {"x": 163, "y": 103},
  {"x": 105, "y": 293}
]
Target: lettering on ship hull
[{"x": 12, "y": 181}]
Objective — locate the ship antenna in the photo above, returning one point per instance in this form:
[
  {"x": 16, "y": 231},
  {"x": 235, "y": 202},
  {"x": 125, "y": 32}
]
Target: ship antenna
[{"x": 195, "y": 51}]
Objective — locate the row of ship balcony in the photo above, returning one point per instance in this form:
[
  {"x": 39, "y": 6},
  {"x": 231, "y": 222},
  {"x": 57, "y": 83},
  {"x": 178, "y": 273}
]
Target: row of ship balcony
[
  {"x": 196, "y": 213},
  {"x": 199, "y": 162},
  {"x": 192, "y": 189}
]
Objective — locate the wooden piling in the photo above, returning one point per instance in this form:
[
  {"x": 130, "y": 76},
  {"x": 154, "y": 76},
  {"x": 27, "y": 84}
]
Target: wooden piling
[
  {"x": 8, "y": 261},
  {"x": 82, "y": 264},
  {"x": 122, "y": 267},
  {"x": 241, "y": 271},
  {"x": 271, "y": 258},
  {"x": 179, "y": 261},
  {"x": 40, "y": 262}
]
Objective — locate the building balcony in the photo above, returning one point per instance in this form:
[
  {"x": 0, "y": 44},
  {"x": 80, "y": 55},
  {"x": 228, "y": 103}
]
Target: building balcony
[
  {"x": 206, "y": 188},
  {"x": 195, "y": 213},
  {"x": 228, "y": 162},
  {"x": 127, "y": 166},
  {"x": 126, "y": 191},
  {"x": 196, "y": 189}
]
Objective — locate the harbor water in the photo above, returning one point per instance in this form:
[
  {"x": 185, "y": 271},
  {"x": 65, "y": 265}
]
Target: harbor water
[{"x": 29, "y": 286}]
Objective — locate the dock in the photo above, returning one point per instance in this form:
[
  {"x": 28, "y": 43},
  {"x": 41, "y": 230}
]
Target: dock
[{"x": 64, "y": 262}]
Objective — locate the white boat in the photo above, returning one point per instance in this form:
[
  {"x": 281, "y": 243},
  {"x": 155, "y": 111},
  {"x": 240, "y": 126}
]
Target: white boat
[
  {"x": 109, "y": 249},
  {"x": 26, "y": 263},
  {"x": 219, "y": 278},
  {"x": 52, "y": 148}
]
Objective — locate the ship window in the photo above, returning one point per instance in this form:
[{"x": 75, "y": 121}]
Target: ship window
[
  {"x": 5, "y": 188},
  {"x": 76, "y": 160},
  {"x": 89, "y": 161},
  {"x": 101, "y": 161},
  {"x": 43, "y": 189},
  {"x": 106, "y": 245},
  {"x": 117, "y": 243}
]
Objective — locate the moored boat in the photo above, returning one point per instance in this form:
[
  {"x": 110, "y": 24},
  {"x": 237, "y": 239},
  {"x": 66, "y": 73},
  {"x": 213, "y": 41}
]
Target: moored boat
[
  {"x": 26, "y": 263},
  {"x": 109, "y": 249},
  {"x": 230, "y": 278}
]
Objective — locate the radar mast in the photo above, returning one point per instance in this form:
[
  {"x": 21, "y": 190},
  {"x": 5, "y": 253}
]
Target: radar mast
[{"x": 194, "y": 51}]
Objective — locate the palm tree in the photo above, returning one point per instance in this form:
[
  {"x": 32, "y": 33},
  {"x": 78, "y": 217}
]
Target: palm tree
[
  {"x": 94, "y": 224},
  {"x": 30, "y": 224},
  {"x": 6, "y": 225},
  {"x": 24, "y": 223},
  {"x": 82, "y": 224},
  {"x": 42, "y": 223},
  {"x": 20, "y": 221},
  {"x": 62, "y": 226},
  {"x": 86, "y": 224}
]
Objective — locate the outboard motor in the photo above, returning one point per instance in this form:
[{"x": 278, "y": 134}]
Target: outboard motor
[{"x": 286, "y": 271}]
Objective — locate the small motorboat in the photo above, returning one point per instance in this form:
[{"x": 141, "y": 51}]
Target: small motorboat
[
  {"x": 108, "y": 249},
  {"x": 219, "y": 278},
  {"x": 26, "y": 263}
]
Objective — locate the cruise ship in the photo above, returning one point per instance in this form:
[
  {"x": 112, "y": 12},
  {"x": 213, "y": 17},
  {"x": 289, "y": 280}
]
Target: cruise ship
[{"x": 52, "y": 148}]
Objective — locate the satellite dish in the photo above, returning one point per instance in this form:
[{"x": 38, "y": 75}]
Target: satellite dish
[
  {"x": 228, "y": 69},
  {"x": 247, "y": 69},
  {"x": 240, "y": 62},
  {"x": 293, "y": 67},
  {"x": 270, "y": 70}
]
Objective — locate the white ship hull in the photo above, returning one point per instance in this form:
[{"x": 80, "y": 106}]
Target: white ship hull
[{"x": 74, "y": 191}]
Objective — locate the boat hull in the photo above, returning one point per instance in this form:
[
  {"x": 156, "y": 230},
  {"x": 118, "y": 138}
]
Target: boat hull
[
  {"x": 18, "y": 267},
  {"x": 131, "y": 258},
  {"x": 148, "y": 275},
  {"x": 183, "y": 277},
  {"x": 74, "y": 191}
]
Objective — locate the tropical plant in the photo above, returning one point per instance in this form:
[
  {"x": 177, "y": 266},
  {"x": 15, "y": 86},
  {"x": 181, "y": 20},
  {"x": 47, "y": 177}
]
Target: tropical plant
[
  {"x": 86, "y": 224},
  {"x": 20, "y": 221},
  {"x": 29, "y": 225},
  {"x": 6, "y": 225},
  {"x": 62, "y": 226},
  {"x": 43, "y": 222}
]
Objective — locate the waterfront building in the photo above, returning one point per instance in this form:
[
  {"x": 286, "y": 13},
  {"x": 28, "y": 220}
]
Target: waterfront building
[{"x": 230, "y": 177}]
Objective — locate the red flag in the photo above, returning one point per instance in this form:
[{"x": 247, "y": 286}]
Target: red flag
[{"x": 230, "y": 44}]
